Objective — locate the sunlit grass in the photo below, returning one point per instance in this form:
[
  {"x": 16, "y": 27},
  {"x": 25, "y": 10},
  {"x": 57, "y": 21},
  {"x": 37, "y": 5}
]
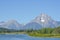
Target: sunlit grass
[{"x": 43, "y": 35}]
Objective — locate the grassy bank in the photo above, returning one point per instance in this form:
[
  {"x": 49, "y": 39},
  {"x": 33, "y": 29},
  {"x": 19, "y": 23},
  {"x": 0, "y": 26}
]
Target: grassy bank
[
  {"x": 43, "y": 32},
  {"x": 44, "y": 35},
  {"x": 14, "y": 33},
  {"x": 34, "y": 34}
]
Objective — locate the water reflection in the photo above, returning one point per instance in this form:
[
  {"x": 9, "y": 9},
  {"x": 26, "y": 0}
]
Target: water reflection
[{"x": 23, "y": 37}]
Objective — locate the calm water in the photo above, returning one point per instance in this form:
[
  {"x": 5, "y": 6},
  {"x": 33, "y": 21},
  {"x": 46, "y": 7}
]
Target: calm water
[{"x": 23, "y": 37}]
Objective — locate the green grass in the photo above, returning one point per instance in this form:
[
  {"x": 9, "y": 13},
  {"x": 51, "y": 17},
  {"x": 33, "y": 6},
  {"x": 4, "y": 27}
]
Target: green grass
[
  {"x": 43, "y": 35},
  {"x": 34, "y": 34},
  {"x": 13, "y": 33}
]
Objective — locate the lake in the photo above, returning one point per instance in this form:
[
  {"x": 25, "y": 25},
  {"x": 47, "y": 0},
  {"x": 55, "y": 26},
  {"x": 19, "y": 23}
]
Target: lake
[{"x": 22, "y": 37}]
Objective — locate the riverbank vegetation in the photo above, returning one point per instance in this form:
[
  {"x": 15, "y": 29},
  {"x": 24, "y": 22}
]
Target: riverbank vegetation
[
  {"x": 46, "y": 32},
  {"x": 43, "y": 32}
]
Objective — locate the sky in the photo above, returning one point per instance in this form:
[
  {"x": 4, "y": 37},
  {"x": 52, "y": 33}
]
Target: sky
[{"x": 26, "y": 10}]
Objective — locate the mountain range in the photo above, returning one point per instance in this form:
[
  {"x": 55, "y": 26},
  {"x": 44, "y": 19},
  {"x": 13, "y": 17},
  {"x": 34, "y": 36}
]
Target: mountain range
[{"x": 41, "y": 21}]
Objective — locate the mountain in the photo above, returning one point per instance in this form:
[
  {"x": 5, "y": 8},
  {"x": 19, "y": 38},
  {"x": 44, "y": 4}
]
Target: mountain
[
  {"x": 42, "y": 21},
  {"x": 33, "y": 25},
  {"x": 1, "y": 23},
  {"x": 12, "y": 24}
]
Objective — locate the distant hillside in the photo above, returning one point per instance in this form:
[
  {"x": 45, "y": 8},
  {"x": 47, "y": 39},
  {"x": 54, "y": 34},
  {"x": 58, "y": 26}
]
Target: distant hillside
[{"x": 41, "y": 21}]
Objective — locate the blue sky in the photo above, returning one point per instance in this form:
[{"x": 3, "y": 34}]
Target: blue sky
[{"x": 25, "y": 10}]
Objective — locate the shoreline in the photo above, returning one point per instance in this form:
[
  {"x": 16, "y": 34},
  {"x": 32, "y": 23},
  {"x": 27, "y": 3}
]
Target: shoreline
[
  {"x": 45, "y": 35},
  {"x": 14, "y": 33},
  {"x": 36, "y": 35}
]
